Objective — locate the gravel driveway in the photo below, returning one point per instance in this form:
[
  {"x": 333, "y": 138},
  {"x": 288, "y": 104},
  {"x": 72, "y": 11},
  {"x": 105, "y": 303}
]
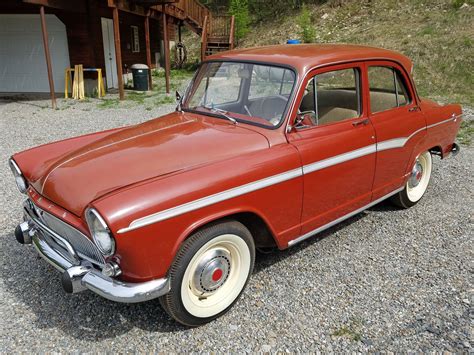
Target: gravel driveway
[{"x": 386, "y": 279}]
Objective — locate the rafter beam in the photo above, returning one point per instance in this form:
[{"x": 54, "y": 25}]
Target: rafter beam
[{"x": 74, "y": 6}]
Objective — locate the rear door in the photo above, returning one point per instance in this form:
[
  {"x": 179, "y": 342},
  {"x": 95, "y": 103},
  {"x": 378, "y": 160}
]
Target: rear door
[
  {"x": 399, "y": 124},
  {"x": 336, "y": 141}
]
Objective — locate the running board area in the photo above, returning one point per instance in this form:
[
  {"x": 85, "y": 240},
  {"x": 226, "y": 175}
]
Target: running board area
[{"x": 340, "y": 219}]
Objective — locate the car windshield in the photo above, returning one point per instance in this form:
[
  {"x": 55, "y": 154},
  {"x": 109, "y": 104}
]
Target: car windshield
[{"x": 245, "y": 92}]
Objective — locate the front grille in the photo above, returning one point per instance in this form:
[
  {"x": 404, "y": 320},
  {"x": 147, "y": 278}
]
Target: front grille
[{"x": 83, "y": 246}]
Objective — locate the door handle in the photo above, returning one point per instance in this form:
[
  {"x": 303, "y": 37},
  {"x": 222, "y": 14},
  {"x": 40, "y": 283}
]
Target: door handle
[{"x": 364, "y": 122}]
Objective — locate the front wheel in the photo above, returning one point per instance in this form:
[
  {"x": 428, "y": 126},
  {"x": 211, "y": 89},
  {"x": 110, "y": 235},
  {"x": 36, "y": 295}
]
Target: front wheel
[
  {"x": 209, "y": 273},
  {"x": 417, "y": 183}
]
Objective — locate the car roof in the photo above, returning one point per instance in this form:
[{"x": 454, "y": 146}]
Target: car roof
[{"x": 304, "y": 57}]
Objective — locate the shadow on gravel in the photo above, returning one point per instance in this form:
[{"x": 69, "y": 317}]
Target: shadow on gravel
[
  {"x": 385, "y": 206},
  {"x": 37, "y": 286},
  {"x": 264, "y": 260}
]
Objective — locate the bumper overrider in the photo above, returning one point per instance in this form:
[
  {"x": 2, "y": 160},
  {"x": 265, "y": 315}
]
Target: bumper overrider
[{"x": 79, "y": 274}]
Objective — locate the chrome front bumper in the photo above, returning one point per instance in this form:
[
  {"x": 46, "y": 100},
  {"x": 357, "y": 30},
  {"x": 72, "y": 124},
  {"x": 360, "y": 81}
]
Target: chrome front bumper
[{"x": 79, "y": 275}]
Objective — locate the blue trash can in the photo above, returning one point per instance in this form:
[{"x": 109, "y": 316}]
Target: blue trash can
[{"x": 293, "y": 41}]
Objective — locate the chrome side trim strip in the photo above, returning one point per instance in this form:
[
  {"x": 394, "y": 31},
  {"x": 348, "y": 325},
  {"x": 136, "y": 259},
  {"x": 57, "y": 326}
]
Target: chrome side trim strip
[
  {"x": 339, "y": 159},
  {"x": 260, "y": 184},
  {"x": 340, "y": 219},
  {"x": 452, "y": 118},
  {"x": 397, "y": 142},
  {"x": 400, "y": 142},
  {"x": 212, "y": 199}
]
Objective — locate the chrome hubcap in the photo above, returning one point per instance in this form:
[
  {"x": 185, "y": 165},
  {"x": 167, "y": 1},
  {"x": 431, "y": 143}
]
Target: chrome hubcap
[
  {"x": 416, "y": 174},
  {"x": 212, "y": 271}
]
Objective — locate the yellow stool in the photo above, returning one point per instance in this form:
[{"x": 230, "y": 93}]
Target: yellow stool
[{"x": 68, "y": 78}]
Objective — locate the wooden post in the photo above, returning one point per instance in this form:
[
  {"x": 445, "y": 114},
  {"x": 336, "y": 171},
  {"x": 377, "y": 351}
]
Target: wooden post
[
  {"x": 118, "y": 51},
  {"x": 148, "y": 50},
  {"x": 232, "y": 29},
  {"x": 204, "y": 39},
  {"x": 167, "y": 50},
  {"x": 48, "y": 57}
]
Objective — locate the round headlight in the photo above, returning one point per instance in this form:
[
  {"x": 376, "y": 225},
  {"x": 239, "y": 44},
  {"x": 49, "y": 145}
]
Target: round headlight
[
  {"x": 19, "y": 179},
  {"x": 100, "y": 232}
]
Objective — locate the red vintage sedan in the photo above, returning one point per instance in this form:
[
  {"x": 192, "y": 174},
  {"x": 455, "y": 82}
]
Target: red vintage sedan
[{"x": 268, "y": 147}]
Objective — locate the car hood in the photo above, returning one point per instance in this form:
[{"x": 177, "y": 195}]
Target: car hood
[{"x": 168, "y": 144}]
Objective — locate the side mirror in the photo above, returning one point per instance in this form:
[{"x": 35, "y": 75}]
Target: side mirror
[{"x": 179, "y": 100}]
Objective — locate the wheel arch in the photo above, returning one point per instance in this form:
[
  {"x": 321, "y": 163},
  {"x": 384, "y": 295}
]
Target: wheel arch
[
  {"x": 423, "y": 146},
  {"x": 259, "y": 227}
]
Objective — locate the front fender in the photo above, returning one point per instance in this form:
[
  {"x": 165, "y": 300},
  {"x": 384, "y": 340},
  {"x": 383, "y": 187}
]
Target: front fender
[{"x": 147, "y": 251}]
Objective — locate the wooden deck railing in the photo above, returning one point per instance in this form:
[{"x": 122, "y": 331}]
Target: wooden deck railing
[
  {"x": 192, "y": 10},
  {"x": 220, "y": 27}
]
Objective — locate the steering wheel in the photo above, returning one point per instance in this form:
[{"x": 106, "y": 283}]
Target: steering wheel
[{"x": 275, "y": 115}]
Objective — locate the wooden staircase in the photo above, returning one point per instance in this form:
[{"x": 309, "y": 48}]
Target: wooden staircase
[
  {"x": 218, "y": 35},
  {"x": 217, "y": 32}
]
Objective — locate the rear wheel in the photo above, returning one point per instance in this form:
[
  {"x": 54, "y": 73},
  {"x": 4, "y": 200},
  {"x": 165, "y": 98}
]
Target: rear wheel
[
  {"x": 417, "y": 183},
  {"x": 209, "y": 273}
]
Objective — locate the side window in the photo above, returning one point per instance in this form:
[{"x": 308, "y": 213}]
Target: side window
[
  {"x": 387, "y": 89},
  {"x": 337, "y": 98}
]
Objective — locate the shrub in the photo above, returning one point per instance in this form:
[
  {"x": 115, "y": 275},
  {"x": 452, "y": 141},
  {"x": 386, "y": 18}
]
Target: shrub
[
  {"x": 308, "y": 32},
  {"x": 240, "y": 9}
]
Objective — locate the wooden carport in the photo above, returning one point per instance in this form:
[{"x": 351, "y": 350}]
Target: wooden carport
[{"x": 188, "y": 12}]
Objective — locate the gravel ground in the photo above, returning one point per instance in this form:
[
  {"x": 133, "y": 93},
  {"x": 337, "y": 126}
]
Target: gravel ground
[{"x": 386, "y": 279}]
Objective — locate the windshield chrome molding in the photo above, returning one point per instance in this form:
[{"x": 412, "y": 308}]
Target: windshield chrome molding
[{"x": 291, "y": 99}]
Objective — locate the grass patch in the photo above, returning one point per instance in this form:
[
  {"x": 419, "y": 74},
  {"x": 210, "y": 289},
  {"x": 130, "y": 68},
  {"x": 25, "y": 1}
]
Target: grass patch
[
  {"x": 346, "y": 331},
  {"x": 137, "y": 97},
  {"x": 351, "y": 331},
  {"x": 174, "y": 74},
  {"x": 165, "y": 100},
  {"x": 108, "y": 103},
  {"x": 466, "y": 132}
]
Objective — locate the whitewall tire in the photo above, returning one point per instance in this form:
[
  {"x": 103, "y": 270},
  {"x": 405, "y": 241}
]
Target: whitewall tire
[
  {"x": 209, "y": 273},
  {"x": 417, "y": 183}
]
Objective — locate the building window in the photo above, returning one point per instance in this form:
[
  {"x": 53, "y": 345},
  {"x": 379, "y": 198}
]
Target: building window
[{"x": 135, "y": 39}]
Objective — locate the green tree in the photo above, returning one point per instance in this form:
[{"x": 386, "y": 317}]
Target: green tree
[
  {"x": 307, "y": 31},
  {"x": 240, "y": 9}
]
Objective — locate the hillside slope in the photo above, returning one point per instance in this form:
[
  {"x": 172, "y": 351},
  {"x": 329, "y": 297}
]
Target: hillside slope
[{"x": 435, "y": 34}]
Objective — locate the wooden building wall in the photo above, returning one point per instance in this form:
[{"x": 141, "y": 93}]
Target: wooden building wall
[{"x": 84, "y": 31}]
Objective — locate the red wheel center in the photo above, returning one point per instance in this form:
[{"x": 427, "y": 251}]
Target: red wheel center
[
  {"x": 419, "y": 175},
  {"x": 216, "y": 275}
]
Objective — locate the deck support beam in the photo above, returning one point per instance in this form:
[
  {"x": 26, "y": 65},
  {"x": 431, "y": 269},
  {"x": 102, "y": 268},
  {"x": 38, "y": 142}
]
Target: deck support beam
[
  {"x": 118, "y": 51},
  {"x": 47, "y": 54},
  {"x": 166, "y": 49},
  {"x": 148, "y": 51}
]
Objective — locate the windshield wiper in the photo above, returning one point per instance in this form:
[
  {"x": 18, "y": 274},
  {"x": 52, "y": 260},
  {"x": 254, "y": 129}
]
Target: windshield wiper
[{"x": 221, "y": 113}]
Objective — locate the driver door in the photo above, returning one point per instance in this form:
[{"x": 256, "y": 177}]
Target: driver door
[{"x": 336, "y": 142}]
